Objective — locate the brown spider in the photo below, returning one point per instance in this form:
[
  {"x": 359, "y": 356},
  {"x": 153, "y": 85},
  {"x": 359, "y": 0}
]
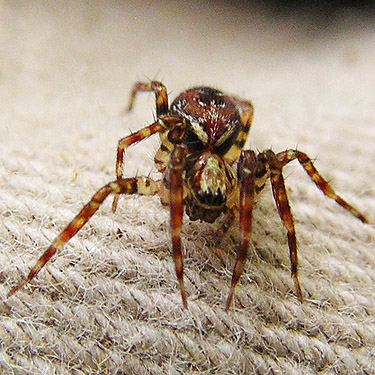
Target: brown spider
[{"x": 203, "y": 168}]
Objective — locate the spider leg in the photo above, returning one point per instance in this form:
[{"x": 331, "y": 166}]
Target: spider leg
[
  {"x": 161, "y": 95},
  {"x": 231, "y": 213},
  {"x": 246, "y": 177},
  {"x": 247, "y": 113},
  {"x": 176, "y": 168},
  {"x": 287, "y": 156},
  {"x": 126, "y": 142},
  {"x": 161, "y": 99},
  {"x": 285, "y": 213},
  {"x": 137, "y": 185}
]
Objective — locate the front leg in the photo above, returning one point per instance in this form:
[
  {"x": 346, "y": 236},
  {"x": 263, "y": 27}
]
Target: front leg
[
  {"x": 247, "y": 166},
  {"x": 126, "y": 142},
  {"x": 176, "y": 190},
  {"x": 285, "y": 213},
  {"x": 161, "y": 95},
  {"x": 161, "y": 103}
]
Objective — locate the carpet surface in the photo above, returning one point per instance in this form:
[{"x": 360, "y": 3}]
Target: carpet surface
[{"x": 108, "y": 302}]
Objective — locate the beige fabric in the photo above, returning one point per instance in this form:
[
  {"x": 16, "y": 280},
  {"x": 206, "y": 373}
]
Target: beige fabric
[{"x": 109, "y": 303}]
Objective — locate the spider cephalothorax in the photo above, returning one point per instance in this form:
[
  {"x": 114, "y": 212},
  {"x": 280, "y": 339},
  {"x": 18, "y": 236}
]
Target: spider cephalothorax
[{"x": 205, "y": 170}]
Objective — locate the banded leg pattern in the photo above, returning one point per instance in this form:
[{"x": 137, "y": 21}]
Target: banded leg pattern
[
  {"x": 126, "y": 142},
  {"x": 176, "y": 168},
  {"x": 161, "y": 95},
  {"x": 137, "y": 185},
  {"x": 289, "y": 155},
  {"x": 246, "y": 177},
  {"x": 285, "y": 213}
]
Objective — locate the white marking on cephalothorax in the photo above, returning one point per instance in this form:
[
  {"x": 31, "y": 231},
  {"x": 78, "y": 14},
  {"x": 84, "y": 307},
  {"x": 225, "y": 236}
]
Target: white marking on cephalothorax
[{"x": 199, "y": 132}]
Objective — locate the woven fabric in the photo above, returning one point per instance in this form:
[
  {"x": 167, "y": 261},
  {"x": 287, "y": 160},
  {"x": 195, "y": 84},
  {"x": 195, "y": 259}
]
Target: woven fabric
[{"x": 108, "y": 302}]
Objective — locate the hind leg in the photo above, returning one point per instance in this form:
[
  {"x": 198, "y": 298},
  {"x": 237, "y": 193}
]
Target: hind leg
[
  {"x": 289, "y": 155},
  {"x": 137, "y": 185}
]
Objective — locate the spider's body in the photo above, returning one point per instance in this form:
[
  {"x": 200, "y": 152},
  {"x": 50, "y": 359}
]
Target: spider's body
[
  {"x": 205, "y": 170},
  {"x": 213, "y": 122}
]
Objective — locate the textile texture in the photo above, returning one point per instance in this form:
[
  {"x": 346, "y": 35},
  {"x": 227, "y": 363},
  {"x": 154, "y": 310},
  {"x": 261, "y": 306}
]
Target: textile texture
[{"x": 108, "y": 302}]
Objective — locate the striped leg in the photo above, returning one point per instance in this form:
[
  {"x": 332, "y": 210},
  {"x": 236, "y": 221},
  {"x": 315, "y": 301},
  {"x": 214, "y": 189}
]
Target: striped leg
[
  {"x": 176, "y": 168},
  {"x": 247, "y": 112},
  {"x": 161, "y": 99},
  {"x": 126, "y": 142},
  {"x": 138, "y": 185},
  {"x": 161, "y": 96},
  {"x": 246, "y": 178},
  {"x": 289, "y": 155},
  {"x": 283, "y": 207}
]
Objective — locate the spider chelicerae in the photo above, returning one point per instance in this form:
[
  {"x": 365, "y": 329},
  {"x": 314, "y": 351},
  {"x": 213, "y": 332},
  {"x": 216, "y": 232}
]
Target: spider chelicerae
[{"x": 205, "y": 170}]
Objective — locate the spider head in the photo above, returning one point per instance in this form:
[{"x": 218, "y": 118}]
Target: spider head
[{"x": 210, "y": 182}]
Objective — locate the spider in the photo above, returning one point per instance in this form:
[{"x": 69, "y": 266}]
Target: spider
[{"x": 204, "y": 169}]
